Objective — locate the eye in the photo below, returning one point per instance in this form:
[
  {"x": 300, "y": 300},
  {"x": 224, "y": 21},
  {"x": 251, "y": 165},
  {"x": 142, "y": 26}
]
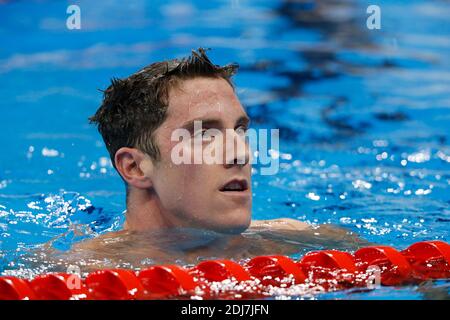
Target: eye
[
  {"x": 205, "y": 133},
  {"x": 241, "y": 130},
  {"x": 200, "y": 133}
]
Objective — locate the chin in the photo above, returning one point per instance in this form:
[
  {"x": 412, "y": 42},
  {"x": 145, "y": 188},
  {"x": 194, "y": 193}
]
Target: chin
[
  {"x": 234, "y": 226},
  {"x": 233, "y": 229}
]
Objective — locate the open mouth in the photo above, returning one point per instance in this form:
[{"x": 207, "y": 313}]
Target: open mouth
[{"x": 235, "y": 185}]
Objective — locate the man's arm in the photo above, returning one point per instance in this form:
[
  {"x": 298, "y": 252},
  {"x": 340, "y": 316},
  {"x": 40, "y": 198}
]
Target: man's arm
[
  {"x": 280, "y": 224},
  {"x": 326, "y": 234}
]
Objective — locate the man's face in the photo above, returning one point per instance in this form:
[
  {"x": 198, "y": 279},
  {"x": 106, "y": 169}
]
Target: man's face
[{"x": 211, "y": 196}]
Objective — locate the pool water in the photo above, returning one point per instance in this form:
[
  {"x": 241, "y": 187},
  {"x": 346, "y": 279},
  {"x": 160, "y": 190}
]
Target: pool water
[{"x": 364, "y": 115}]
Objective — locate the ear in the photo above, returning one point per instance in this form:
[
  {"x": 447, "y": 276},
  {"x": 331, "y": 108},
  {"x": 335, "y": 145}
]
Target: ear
[{"x": 135, "y": 167}]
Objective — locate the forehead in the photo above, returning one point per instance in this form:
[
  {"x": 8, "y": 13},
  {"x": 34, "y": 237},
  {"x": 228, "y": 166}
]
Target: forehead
[{"x": 202, "y": 98}]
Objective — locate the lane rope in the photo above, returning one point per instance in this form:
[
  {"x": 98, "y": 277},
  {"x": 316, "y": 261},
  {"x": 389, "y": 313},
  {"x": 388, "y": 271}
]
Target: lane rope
[{"x": 259, "y": 277}]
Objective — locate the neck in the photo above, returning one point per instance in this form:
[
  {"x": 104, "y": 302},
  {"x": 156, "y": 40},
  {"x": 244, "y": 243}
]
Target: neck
[{"x": 145, "y": 213}]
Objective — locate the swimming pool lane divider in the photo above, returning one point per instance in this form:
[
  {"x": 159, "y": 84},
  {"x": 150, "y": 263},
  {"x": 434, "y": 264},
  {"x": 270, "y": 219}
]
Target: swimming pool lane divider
[{"x": 328, "y": 269}]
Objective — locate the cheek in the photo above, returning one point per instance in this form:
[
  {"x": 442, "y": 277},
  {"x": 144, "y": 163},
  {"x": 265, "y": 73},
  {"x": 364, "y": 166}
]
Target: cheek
[
  {"x": 185, "y": 187},
  {"x": 198, "y": 182}
]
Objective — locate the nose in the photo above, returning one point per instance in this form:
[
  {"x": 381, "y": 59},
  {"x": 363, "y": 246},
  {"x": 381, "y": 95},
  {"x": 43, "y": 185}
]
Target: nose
[{"x": 237, "y": 151}]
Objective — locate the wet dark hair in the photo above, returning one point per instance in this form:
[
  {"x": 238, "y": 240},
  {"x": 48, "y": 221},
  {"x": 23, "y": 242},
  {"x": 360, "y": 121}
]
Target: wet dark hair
[{"x": 134, "y": 107}]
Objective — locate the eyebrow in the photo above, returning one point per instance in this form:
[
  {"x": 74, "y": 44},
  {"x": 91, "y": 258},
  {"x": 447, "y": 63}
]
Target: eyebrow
[{"x": 213, "y": 122}]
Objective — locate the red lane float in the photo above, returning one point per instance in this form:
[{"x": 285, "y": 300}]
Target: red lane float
[
  {"x": 271, "y": 270},
  {"x": 167, "y": 281},
  {"x": 331, "y": 269},
  {"x": 212, "y": 271},
  {"x": 429, "y": 259},
  {"x": 219, "y": 270},
  {"x": 116, "y": 284},
  {"x": 394, "y": 267},
  {"x": 322, "y": 267},
  {"x": 59, "y": 286},
  {"x": 12, "y": 288}
]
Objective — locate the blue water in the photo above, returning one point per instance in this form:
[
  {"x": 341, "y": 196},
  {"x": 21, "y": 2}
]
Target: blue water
[{"x": 363, "y": 114}]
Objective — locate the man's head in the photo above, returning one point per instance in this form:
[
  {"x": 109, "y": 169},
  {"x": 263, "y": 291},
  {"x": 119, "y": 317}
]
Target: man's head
[{"x": 137, "y": 120}]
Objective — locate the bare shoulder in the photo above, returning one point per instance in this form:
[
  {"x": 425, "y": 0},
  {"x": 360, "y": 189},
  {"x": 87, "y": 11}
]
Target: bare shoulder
[
  {"x": 99, "y": 242},
  {"x": 331, "y": 235},
  {"x": 280, "y": 224}
]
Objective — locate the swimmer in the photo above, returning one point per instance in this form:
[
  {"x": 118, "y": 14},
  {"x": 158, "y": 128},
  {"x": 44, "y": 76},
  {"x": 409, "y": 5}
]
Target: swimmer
[{"x": 211, "y": 202}]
